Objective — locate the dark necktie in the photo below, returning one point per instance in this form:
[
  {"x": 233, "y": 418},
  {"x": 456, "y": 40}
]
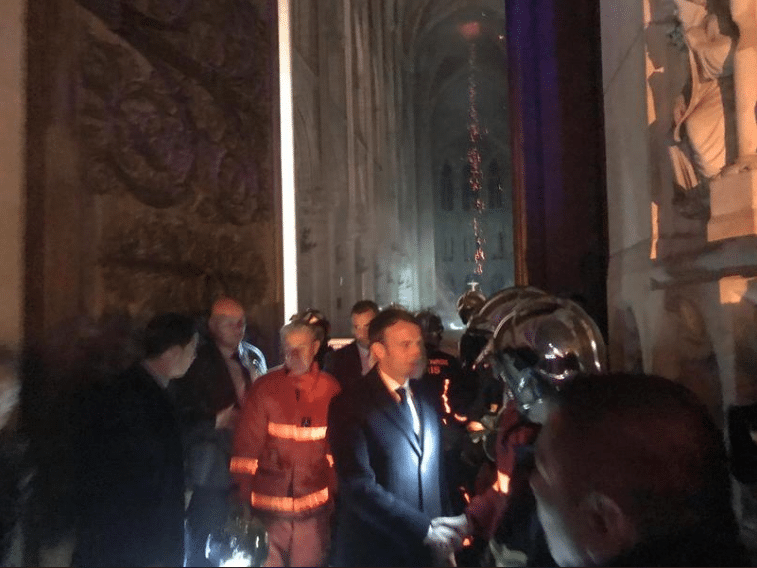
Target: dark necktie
[{"x": 405, "y": 408}]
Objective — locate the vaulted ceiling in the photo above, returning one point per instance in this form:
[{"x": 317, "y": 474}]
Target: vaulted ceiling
[{"x": 451, "y": 46}]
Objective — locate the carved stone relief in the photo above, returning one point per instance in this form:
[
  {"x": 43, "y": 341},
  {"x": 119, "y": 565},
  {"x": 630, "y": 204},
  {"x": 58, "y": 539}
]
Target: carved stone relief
[
  {"x": 625, "y": 349},
  {"x": 174, "y": 119},
  {"x": 703, "y": 134},
  {"x": 714, "y": 130},
  {"x": 686, "y": 353},
  {"x": 153, "y": 262},
  {"x": 166, "y": 139},
  {"x": 744, "y": 315}
]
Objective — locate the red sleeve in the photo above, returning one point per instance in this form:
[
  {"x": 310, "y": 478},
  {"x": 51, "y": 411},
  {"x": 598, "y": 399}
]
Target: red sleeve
[
  {"x": 486, "y": 509},
  {"x": 249, "y": 439}
]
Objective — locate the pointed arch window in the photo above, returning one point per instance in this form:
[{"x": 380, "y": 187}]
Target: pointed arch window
[
  {"x": 465, "y": 187},
  {"x": 446, "y": 190},
  {"x": 494, "y": 186},
  {"x": 496, "y": 282},
  {"x": 451, "y": 282},
  {"x": 448, "y": 243},
  {"x": 498, "y": 250}
]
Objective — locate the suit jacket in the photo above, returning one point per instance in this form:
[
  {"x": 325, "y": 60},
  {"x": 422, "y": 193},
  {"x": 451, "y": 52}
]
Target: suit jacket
[
  {"x": 391, "y": 484},
  {"x": 344, "y": 364},
  {"x": 205, "y": 390},
  {"x": 207, "y": 387},
  {"x": 132, "y": 477}
]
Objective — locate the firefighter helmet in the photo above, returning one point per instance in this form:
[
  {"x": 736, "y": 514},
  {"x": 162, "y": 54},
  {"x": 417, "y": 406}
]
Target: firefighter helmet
[
  {"x": 482, "y": 324},
  {"x": 540, "y": 343},
  {"x": 241, "y": 542},
  {"x": 431, "y": 327},
  {"x": 470, "y": 302}
]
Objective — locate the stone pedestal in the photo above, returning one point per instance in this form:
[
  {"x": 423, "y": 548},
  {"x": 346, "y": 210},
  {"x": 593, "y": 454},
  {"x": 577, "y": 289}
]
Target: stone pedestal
[{"x": 733, "y": 206}]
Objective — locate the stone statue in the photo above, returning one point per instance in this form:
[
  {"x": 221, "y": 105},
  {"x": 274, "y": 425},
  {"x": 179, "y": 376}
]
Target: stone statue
[
  {"x": 702, "y": 138},
  {"x": 744, "y": 14},
  {"x": 715, "y": 130}
]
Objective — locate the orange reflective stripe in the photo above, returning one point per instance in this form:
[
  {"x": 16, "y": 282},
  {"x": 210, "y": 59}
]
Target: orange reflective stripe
[
  {"x": 290, "y": 504},
  {"x": 502, "y": 484},
  {"x": 297, "y": 433},
  {"x": 243, "y": 465}
]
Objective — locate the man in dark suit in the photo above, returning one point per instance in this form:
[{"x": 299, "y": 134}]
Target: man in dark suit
[
  {"x": 210, "y": 398},
  {"x": 385, "y": 437},
  {"x": 132, "y": 471},
  {"x": 353, "y": 361}
]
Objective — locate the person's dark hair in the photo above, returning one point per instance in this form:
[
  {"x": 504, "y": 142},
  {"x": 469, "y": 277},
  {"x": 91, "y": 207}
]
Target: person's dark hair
[
  {"x": 166, "y": 330},
  {"x": 363, "y": 306},
  {"x": 431, "y": 326},
  {"x": 651, "y": 445},
  {"x": 387, "y": 318}
]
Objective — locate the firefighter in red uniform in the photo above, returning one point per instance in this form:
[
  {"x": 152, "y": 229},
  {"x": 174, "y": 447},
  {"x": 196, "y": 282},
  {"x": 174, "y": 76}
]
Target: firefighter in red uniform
[
  {"x": 281, "y": 460},
  {"x": 540, "y": 343}
]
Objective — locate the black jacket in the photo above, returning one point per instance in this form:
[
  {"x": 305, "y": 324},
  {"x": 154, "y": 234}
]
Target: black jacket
[
  {"x": 391, "y": 485},
  {"x": 205, "y": 390},
  {"x": 132, "y": 479},
  {"x": 344, "y": 364}
]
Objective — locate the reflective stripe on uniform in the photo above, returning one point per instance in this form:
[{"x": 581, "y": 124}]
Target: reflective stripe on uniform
[
  {"x": 243, "y": 465},
  {"x": 290, "y": 504},
  {"x": 502, "y": 484},
  {"x": 297, "y": 433}
]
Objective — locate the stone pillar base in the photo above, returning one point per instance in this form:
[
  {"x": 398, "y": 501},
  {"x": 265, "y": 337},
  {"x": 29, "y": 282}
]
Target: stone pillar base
[{"x": 733, "y": 206}]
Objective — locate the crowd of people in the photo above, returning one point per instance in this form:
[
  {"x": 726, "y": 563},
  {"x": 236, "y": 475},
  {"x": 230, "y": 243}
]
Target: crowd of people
[{"x": 389, "y": 451}]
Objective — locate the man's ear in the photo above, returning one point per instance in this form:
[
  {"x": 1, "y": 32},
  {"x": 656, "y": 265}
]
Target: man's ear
[
  {"x": 611, "y": 531},
  {"x": 172, "y": 354},
  {"x": 213, "y": 324},
  {"x": 378, "y": 350}
]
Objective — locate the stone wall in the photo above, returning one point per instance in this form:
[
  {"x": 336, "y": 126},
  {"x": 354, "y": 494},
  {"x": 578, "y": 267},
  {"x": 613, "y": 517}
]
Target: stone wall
[
  {"x": 345, "y": 122},
  {"x": 151, "y": 185},
  {"x": 375, "y": 84},
  {"x": 153, "y": 176},
  {"x": 680, "y": 297}
]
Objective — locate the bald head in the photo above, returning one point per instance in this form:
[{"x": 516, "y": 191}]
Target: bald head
[
  {"x": 626, "y": 459},
  {"x": 643, "y": 433},
  {"x": 227, "y": 324},
  {"x": 226, "y": 307}
]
